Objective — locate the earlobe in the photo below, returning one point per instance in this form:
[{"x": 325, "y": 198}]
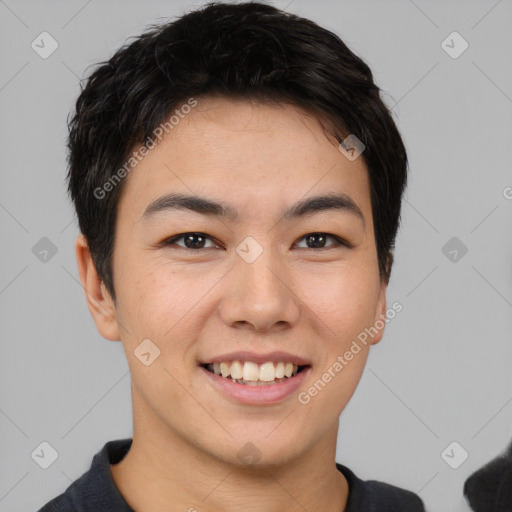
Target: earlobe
[
  {"x": 99, "y": 301},
  {"x": 379, "y": 322}
]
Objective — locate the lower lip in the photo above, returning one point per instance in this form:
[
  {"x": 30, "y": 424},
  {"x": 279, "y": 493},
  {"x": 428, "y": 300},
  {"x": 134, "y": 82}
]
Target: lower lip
[{"x": 256, "y": 395}]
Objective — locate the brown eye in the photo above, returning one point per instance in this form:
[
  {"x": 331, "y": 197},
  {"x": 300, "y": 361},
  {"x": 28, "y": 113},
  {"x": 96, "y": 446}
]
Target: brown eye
[
  {"x": 319, "y": 240},
  {"x": 193, "y": 241}
]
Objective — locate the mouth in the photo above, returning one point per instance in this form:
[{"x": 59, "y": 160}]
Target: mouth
[{"x": 249, "y": 373}]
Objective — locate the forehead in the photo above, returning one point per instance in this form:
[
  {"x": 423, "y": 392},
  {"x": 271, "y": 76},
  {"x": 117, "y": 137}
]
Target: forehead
[{"x": 248, "y": 151}]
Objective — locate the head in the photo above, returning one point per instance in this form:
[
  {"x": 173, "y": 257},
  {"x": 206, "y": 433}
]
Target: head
[{"x": 244, "y": 106}]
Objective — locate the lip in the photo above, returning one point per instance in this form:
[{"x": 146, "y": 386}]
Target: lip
[
  {"x": 276, "y": 356},
  {"x": 256, "y": 395}
]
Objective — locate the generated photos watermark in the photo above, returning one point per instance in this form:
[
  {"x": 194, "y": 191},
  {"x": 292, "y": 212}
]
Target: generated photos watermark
[
  {"x": 149, "y": 144},
  {"x": 304, "y": 397}
]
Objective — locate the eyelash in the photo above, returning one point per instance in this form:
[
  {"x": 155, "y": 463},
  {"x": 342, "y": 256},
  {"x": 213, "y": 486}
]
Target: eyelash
[{"x": 339, "y": 241}]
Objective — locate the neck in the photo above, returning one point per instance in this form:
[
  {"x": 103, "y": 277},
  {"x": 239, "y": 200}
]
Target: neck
[{"x": 163, "y": 469}]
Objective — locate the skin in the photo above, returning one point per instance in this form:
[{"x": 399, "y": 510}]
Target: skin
[{"x": 313, "y": 302}]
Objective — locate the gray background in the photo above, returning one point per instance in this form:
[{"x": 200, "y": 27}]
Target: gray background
[{"x": 441, "y": 373}]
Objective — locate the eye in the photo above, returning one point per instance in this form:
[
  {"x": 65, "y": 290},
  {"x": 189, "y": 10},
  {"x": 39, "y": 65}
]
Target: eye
[
  {"x": 317, "y": 241},
  {"x": 193, "y": 241}
]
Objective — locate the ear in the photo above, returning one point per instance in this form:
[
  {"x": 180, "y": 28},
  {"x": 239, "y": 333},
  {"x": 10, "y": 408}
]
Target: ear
[
  {"x": 99, "y": 301},
  {"x": 379, "y": 321}
]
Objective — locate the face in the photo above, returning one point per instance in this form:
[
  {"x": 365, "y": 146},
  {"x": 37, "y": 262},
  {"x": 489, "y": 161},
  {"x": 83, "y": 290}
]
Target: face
[{"x": 266, "y": 284}]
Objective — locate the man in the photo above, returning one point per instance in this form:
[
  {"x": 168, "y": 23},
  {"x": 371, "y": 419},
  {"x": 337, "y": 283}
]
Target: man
[{"x": 238, "y": 184}]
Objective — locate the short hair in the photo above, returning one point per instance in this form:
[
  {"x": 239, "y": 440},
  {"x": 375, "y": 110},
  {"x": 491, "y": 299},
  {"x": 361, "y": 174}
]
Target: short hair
[{"x": 248, "y": 50}]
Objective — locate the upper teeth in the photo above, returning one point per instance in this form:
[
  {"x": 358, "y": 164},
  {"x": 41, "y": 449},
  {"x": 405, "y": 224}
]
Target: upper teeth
[{"x": 250, "y": 371}]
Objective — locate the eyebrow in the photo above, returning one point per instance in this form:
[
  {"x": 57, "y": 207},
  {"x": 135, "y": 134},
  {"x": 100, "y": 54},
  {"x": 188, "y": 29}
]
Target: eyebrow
[{"x": 204, "y": 206}]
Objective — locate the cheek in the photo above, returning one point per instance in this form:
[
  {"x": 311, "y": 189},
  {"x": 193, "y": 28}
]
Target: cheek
[
  {"x": 153, "y": 293},
  {"x": 345, "y": 300},
  {"x": 155, "y": 305},
  {"x": 165, "y": 304}
]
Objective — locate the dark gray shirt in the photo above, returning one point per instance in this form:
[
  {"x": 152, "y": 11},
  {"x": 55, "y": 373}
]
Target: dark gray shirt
[{"x": 96, "y": 491}]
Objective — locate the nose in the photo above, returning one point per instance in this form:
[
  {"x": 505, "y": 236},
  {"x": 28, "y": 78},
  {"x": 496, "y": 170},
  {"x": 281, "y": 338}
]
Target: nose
[{"x": 260, "y": 296}]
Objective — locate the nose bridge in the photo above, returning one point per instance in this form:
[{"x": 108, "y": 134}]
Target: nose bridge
[
  {"x": 261, "y": 277},
  {"x": 259, "y": 291}
]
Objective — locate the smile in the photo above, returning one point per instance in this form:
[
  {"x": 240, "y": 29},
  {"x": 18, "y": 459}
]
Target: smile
[{"x": 252, "y": 374}]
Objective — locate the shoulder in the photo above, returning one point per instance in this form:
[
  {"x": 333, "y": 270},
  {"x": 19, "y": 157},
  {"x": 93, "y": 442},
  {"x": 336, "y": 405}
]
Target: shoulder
[
  {"x": 375, "y": 496},
  {"x": 61, "y": 503},
  {"x": 95, "y": 490},
  {"x": 395, "y": 498},
  {"x": 74, "y": 498}
]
